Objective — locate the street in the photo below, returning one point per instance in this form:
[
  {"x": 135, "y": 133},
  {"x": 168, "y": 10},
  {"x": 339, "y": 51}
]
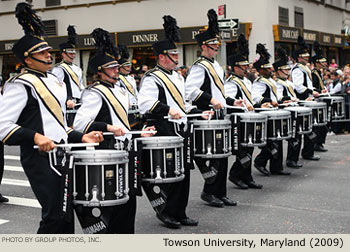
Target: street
[{"x": 314, "y": 199}]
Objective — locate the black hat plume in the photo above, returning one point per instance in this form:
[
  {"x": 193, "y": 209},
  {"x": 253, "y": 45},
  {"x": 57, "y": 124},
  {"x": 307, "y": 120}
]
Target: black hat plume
[
  {"x": 213, "y": 27},
  {"x": 104, "y": 43},
  {"x": 262, "y": 51},
  {"x": 123, "y": 51},
  {"x": 28, "y": 19},
  {"x": 243, "y": 46},
  {"x": 171, "y": 29},
  {"x": 318, "y": 48},
  {"x": 282, "y": 54},
  {"x": 72, "y": 35}
]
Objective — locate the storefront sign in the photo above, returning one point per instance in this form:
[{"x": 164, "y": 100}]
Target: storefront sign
[
  {"x": 326, "y": 38},
  {"x": 286, "y": 34},
  {"x": 310, "y": 36},
  {"x": 338, "y": 40}
]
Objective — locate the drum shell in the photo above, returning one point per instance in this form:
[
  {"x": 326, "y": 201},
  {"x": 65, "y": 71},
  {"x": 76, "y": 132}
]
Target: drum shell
[
  {"x": 335, "y": 106},
  {"x": 301, "y": 120},
  {"x": 212, "y": 138},
  {"x": 319, "y": 112},
  {"x": 279, "y": 124},
  {"x": 100, "y": 177},
  {"x": 162, "y": 159}
]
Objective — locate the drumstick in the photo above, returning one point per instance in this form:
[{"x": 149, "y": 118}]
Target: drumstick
[
  {"x": 72, "y": 145},
  {"x": 132, "y": 132},
  {"x": 190, "y": 115}
]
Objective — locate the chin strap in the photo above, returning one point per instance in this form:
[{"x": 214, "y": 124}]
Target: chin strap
[
  {"x": 175, "y": 62},
  {"x": 215, "y": 50},
  {"x": 69, "y": 57},
  {"x": 113, "y": 78},
  {"x": 41, "y": 61}
]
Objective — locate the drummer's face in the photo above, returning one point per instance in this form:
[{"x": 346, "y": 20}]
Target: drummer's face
[
  {"x": 111, "y": 72},
  {"x": 303, "y": 60}
]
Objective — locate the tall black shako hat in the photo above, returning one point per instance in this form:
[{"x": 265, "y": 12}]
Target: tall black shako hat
[
  {"x": 263, "y": 61},
  {"x": 172, "y": 35},
  {"x": 106, "y": 51},
  {"x": 69, "y": 46},
  {"x": 303, "y": 49},
  {"x": 124, "y": 56},
  {"x": 282, "y": 62},
  {"x": 241, "y": 57},
  {"x": 33, "y": 41},
  {"x": 318, "y": 57},
  {"x": 211, "y": 35}
]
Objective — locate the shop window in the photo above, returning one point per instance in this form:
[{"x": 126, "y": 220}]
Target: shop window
[
  {"x": 283, "y": 16},
  {"x": 298, "y": 17},
  {"x": 50, "y": 3},
  {"x": 50, "y": 27}
]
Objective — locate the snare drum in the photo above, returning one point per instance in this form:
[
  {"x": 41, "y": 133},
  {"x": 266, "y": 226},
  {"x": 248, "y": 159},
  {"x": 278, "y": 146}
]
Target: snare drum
[
  {"x": 319, "y": 112},
  {"x": 248, "y": 130},
  {"x": 279, "y": 124},
  {"x": 100, "y": 178},
  {"x": 335, "y": 106},
  {"x": 162, "y": 159},
  {"x": 212, "y": 138},
  {"x": 301, "y": 120}
]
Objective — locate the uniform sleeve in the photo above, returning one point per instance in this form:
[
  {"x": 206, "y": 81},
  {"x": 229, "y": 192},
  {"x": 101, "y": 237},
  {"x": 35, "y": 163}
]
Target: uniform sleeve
[
  {"x": 336, "y": 89},
  {"x": 258, "y": 89},
  {"x": 194, "y": 81},
  {"x": 298, "y": 81},
  {"x": 148, "y": 98},
  {"x": 84, "y": 120},
  {"x": 14, "y": 101},
  {"x": 230, "y": 89},
  {"x": 59, "y": 73}
]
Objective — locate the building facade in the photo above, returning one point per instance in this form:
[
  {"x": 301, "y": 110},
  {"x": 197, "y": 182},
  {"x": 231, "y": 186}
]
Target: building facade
[{"x": 138, "y": 23}]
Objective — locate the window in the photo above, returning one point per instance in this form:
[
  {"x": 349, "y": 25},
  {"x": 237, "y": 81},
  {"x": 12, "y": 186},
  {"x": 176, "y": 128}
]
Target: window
[
  {"x": 50, "y": 27},
  {"x": 53, "y": 3},
  {"x": 283, "y": 16},
  {"x": 298, "y": 17}
]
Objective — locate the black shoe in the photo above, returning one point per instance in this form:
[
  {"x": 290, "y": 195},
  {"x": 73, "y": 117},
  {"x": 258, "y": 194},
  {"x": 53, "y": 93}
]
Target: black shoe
[
  {"x": 212, "y": 200},
  {"x": 262, "y": 170},
  {"x": 320, "y": 148},
  {"x": 228, "y": 202},
  {"x": 314, "y": 157},
  {"x": 168, "y": 221},
  {"x": 293, "y": 164},
  {"x": 280, "y": 173},
  {"x": 188, "y": 222},
  {"x": 3, "y": 199},
  {"x": 254, "y": 185},
  {"x": 238, "y": 183}
]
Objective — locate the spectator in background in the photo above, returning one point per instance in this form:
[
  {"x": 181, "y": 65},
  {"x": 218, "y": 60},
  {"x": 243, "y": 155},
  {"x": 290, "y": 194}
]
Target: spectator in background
[
  {"x": 182, "y": 70},
  {"x": 144, "y": 68},
  {"x": 333, "y": 64}
]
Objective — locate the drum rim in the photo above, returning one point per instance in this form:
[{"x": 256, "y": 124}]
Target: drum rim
[
  {"x": 277, "y": 113},
  {"x": 161, "y": 139},
  {"x": 211, "y": 122}
]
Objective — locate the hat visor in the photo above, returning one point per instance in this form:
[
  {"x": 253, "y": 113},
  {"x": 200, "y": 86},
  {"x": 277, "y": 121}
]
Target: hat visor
[
  {"x": 41, "y": 49},
  {"x": 172, "y": 51},
  {"x": 111, "y": 64},
  {"x": 128, "y": 63},
  {"x": 242, "y": 63},
  {"x": 69, "y": 51},
  {"x": 304, "y": 55},
  {"x": 266, "y": 66}
]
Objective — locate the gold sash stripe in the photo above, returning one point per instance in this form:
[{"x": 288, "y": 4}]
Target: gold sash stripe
[
  {"x": 244, "y": 88},
  {"x": 319, "y": 79},
  {"x": 218, "y": 82},
  {"x": 175, "y": 93},
  {"x": 49, "y": 100},
  {"x": 71, "y": 73},
  {"x": 11, "y": 133},
  {"x": 127, "y": 84},
  {"x": 285, "y": 84},
  {"x": 273, "y": 86},
  {"x": 307, "y": 70},
  {"x": 115, "y": 104}
]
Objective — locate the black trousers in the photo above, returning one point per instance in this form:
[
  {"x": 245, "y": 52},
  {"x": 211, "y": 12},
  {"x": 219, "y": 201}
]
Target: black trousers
[
  {"x": 46, "y": 185},
  {"x": 309, "y": 147},
  {"x": 218, "y": 188},
  {"x": 276, "y": 164},
  {"x": 238, "y": 171},
  {"x": 1, "y": 161},
  {"x": 321, "y": 133},
  {"x": 294, "y": 147}
]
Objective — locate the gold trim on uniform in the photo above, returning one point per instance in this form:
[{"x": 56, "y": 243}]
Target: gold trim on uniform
[
  {"x": 47, "y": 97},
  {"x": 87, "y": 127},
  {"x": 273, "y": 86},
  {"x": 10, "y": 133},
  {"x": 127, "y": 84},
  {"x": 69, "y": 131},
  {"x": 199, "y": 95},
  {"x": 71, "y": 73},
  {"x": 218, "y": 82},
  {"x": 154, "y": 105},
  {"x": 244, "y": 88},
  {"x": 174, "y": 92}
]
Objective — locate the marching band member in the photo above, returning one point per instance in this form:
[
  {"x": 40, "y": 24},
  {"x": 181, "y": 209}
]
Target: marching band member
[
  {"x": 239, "y": 87},
  {"x": 302, "y": 80},
  {"x": 161, "y": 94},
  {"x": 69, "y": 73},
  {"x": 205, "y": 86},
  {"x": 264, "y": 93},
  {"x": 2, "y": 198},
  {"x": 319, "y": 62},
  {"x": 104, "y": 107},
  {"x": 32, "y": 113}
]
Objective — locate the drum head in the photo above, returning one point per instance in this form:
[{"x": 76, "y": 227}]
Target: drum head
[
  {"x": 251, "y": 117},
  {"x": 300, "y": 110},
  {"x": 277, "y": 114},
  {"x": 100, "y": 156},
  {"x": 219, "y": 124}
]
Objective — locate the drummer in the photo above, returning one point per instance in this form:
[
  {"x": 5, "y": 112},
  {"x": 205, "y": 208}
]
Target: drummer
[
  {"x": 319, "y": 63},
  {"x": 302, "y": 80},
  {"x": 204, "y": 87},
  {"x": 265, "y": 95},
  {"x": 239, "y": 87},
  {"x": 69, "y": 73},
  {"x": 287, "y": 95},
  {"x": 162, "y": 94},
  {"x": 104, "y": 106},
  {"x": 32, "y": 113}
]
